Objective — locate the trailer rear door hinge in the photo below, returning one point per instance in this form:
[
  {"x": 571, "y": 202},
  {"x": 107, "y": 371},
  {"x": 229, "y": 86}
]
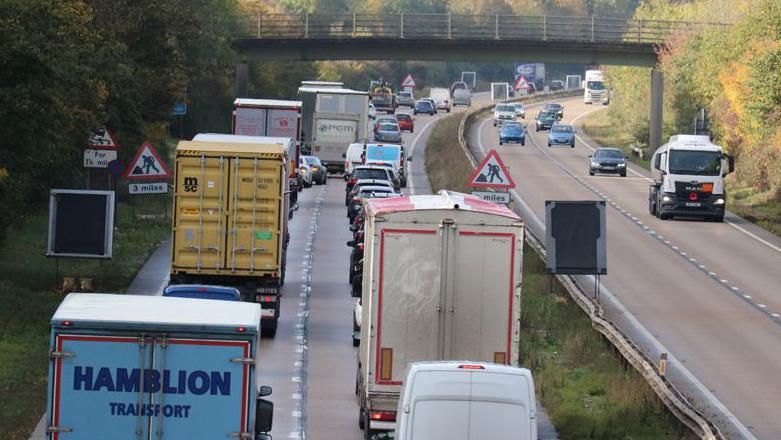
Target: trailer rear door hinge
[
  {"x": 61, "y": 354},
  {"x": 241, "y": 360},
  {"x": 58, "y": 429}
]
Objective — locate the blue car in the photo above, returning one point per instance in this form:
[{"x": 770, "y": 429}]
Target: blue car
[
  {"x": 202, "y": 291},
  {"x": 510, "y": 132},
  {"x": 561, "y": 134}
]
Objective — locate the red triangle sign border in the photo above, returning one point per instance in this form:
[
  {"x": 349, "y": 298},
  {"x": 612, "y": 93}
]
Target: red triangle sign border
[
  {"x": 473, "y": 183},
  {"x": 166, "y": 172}
]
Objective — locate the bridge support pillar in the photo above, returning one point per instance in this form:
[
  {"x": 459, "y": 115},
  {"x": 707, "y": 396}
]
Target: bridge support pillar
[
  {"x": 657, "y": 110},
  {"x": 242, "y": 80}
]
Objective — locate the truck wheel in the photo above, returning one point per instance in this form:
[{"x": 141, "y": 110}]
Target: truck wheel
[
  {"x": 271, "y": 330},
  {"x": 362, "y": 418}
]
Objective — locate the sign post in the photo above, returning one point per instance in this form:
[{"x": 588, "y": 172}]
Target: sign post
[{"x": 489, "y": 176}]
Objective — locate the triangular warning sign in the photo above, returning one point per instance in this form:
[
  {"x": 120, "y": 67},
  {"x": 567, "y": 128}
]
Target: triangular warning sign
[
  {"x": 102, "y": 139},
  {"x": 147, "y": 165},
  {"x": 491, "y": 173},
  {"x": 408, "y": 81}
]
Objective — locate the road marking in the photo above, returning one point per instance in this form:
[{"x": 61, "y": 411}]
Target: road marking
[{"x": 413, "y": 144}]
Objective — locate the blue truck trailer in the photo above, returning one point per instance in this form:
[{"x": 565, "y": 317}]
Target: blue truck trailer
[{"x": 164, "y": 368}]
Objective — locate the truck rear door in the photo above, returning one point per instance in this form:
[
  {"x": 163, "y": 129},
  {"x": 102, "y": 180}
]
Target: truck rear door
[
  {"x": 484, "y": 268},
  {"x": 149, "y": 388},
  {"x": 199, "y": 214},
  {"x": 408, "y": 300},
  {"x": 254, "y": 222}
]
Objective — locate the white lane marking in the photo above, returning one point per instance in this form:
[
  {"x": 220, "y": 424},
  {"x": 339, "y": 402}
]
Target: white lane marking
[{"x": 413, "y": 144}]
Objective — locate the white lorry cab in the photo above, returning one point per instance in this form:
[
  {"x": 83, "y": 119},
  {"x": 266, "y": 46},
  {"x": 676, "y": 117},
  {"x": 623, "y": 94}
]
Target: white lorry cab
[
  {"x": 594, "y": 88},
  {"x": 463, "y": 400},
  {"x": 441, "y": 281},
  {"x": 688, "y": 178}
]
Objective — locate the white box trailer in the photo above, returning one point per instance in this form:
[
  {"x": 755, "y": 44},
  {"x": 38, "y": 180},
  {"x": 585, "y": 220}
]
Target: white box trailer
[{"x": 441, "y": 281}]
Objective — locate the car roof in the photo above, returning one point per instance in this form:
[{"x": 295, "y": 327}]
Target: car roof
[
  {"x": 373, "y": 188},
  {"x": 369, "y": 167},
  {"x": 363, "y": 182},
  {"x": 607, "y": 149}
]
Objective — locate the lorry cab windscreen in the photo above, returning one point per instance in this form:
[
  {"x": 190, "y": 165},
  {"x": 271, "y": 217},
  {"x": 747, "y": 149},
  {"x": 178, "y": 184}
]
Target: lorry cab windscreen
[
  {"x": 596, "y": 85},
  {"x": 695, "y": 163}
]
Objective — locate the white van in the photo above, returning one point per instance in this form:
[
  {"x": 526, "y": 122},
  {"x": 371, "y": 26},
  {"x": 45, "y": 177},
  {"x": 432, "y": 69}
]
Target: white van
[
  {"x": 362, "y": 153},
  {"x": 463, "y": 400},
  {"x": 353, "y": 157},
  {"x": 442, "y": 97}
]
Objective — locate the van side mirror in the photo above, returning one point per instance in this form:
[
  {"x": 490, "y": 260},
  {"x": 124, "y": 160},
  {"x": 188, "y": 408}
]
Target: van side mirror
[
  {"x": 264, "y": 415},
  {"x": 264, "y": 391},
  {"x": 344, "y": 155},
  {"x": 351, "y": 243},
  {"x": 731, "y": 163}
]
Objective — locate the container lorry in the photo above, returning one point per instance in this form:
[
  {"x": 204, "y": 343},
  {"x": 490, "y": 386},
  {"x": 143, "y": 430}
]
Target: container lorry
[
  {"x": 332, "y": 118},
  {"x": 464, "y": 400},
  {"x": 594, "y": 88},
  {"x": 128, "y": 367},
  {"x": 441, "y": 281},
  {"x": 688, "y": 178},
  {"x": 230, "y": 216}
]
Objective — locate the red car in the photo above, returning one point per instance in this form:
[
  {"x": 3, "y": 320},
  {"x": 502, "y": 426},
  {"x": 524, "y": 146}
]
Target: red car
[{"x": 405, "y": 122}]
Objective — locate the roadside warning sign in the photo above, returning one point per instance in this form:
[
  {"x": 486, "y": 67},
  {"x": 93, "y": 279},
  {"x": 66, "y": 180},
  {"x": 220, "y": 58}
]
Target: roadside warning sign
[
  {"x": 408, "y": 81},
  {"x": 147, "y": 165},
  {"x": 102, "y": 139},
  {"x": 491, "y": 173}
]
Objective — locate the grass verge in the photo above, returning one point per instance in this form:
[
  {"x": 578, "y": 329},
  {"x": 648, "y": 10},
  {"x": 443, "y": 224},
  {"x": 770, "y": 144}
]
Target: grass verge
[
  {"x": 601, "y": 129},
  {"x": 586, "y": 386},
  {"x": 28, "y": 298}
]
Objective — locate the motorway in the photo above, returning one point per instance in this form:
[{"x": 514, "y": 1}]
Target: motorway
[{"x": 706, "y": 292}]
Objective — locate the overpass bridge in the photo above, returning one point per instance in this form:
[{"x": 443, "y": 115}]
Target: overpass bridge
[{"x": 452, "y": 37}]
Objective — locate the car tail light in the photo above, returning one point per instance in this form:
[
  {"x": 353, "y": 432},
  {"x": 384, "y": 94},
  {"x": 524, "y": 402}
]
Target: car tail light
[
  {"x": 360, "y": 246},
  {"x": 67, "y": 323},
  {"x": 240, "y": 329},
  {"x": 471, "y": 367},
  {"x": 383, "y": 416},
  {"x": 356, "y": 199},
  {"x": 266, "y": 298}
]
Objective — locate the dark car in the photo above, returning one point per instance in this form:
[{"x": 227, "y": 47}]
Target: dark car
[
  {"x": 319, "y": 171},
  {"x": 365, "y": 172},
  {"x": 388, "y": 132},
  {"x": 545, "y": 120},
  {"x": 367, "y": 192},
  {"x": 510, "y": 132},
  {"x": 556, "y": 85},
  {"x": 555, "y": 108},
  {"x": 607, "y": 161},
  {"x": 424, "y": 107},
  {"x": 561, "y": 134},
  {"x": 406, "y": 122},
  {"x": 202, "y": 291}
]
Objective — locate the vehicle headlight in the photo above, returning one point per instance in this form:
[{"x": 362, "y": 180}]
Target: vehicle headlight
[
  {"x": 594, "y": 164},
  {"x": 621, "y": 165},
  {"x": 719, "y": 201},
  {"x": 667, "y": 198}
]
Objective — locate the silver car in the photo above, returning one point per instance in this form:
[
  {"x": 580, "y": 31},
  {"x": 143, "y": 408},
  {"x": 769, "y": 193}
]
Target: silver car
[
  {"x": 462, "y": 97},
  {"x": 406, "y": 99}
]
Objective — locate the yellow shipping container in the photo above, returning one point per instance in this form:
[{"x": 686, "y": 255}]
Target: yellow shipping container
[{"x": 231, "y": 209}]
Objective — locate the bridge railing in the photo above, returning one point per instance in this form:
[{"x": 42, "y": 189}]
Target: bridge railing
[{"x": 453, "y": 26}]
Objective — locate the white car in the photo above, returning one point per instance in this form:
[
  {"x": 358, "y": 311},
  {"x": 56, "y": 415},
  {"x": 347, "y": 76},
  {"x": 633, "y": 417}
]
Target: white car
[
  {"x": 372, "y": 111},
  {"x": 504, "y": 113},
  {"x": 519, "y": 110}
]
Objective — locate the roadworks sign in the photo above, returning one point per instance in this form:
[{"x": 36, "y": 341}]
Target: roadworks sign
[
  {"x": 408, "y": 81},
  {"x": 147, "y": 165},
  {"x": 491, "y": 173}
]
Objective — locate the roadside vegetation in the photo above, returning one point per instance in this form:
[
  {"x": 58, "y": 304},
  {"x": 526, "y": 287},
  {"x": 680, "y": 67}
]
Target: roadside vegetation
[
  {"x": 599, "y": 127},
  {"x": 587, "y": 388},
  {"x": 29, "y": 295},
  {"x": 731, "y": 71}
]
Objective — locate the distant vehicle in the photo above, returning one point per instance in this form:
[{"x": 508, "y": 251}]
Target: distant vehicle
[
  {"x": 382, "y": 96},
  {"x": 122, "y": 362},
  {"x": 554, "y": 107},
  {"x": 510, "y": 132},
  {"x": 556, "y": 85},
  {"x": 388, "y": 132},
  {"x": 424, "y": 238},
  {"x": 607, "y": 161},
  {"x": 561, "y": 134},
  {"x": 366, "y": 172},
  {"x": 305, "y": 173},
  {"x": 594, "y": 89},
  {"x": 405, "y": 122},
  {"x": 504, "y": 112},
  {"x": 388, "y": 155},
  {"x": 462, "y": 97},
  {"x": 688, "y": 178},
  {"x": 203, "y": 291},
  {"x": 406, "y": 99},
  {"x": 458, "y": 85},
  {"x": 372, "y": 111},
  {"x": 433, "y": 103},
  {"x": 424, "y": 106},
  {"x": 384, "y": 119},
  {"x": 441, "y": 97},
  {"x": 464, "y": 400},
  {"x": 545, "y": 120},
  {"x": 519, "y": 110},
  {"x": 396, "y": 179},
  {"x": 319, "y": 171},
  {"x": 366, "y": 192}
]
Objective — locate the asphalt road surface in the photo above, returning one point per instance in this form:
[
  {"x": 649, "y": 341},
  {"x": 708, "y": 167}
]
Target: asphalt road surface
[{"x": 709, "y": 293}]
